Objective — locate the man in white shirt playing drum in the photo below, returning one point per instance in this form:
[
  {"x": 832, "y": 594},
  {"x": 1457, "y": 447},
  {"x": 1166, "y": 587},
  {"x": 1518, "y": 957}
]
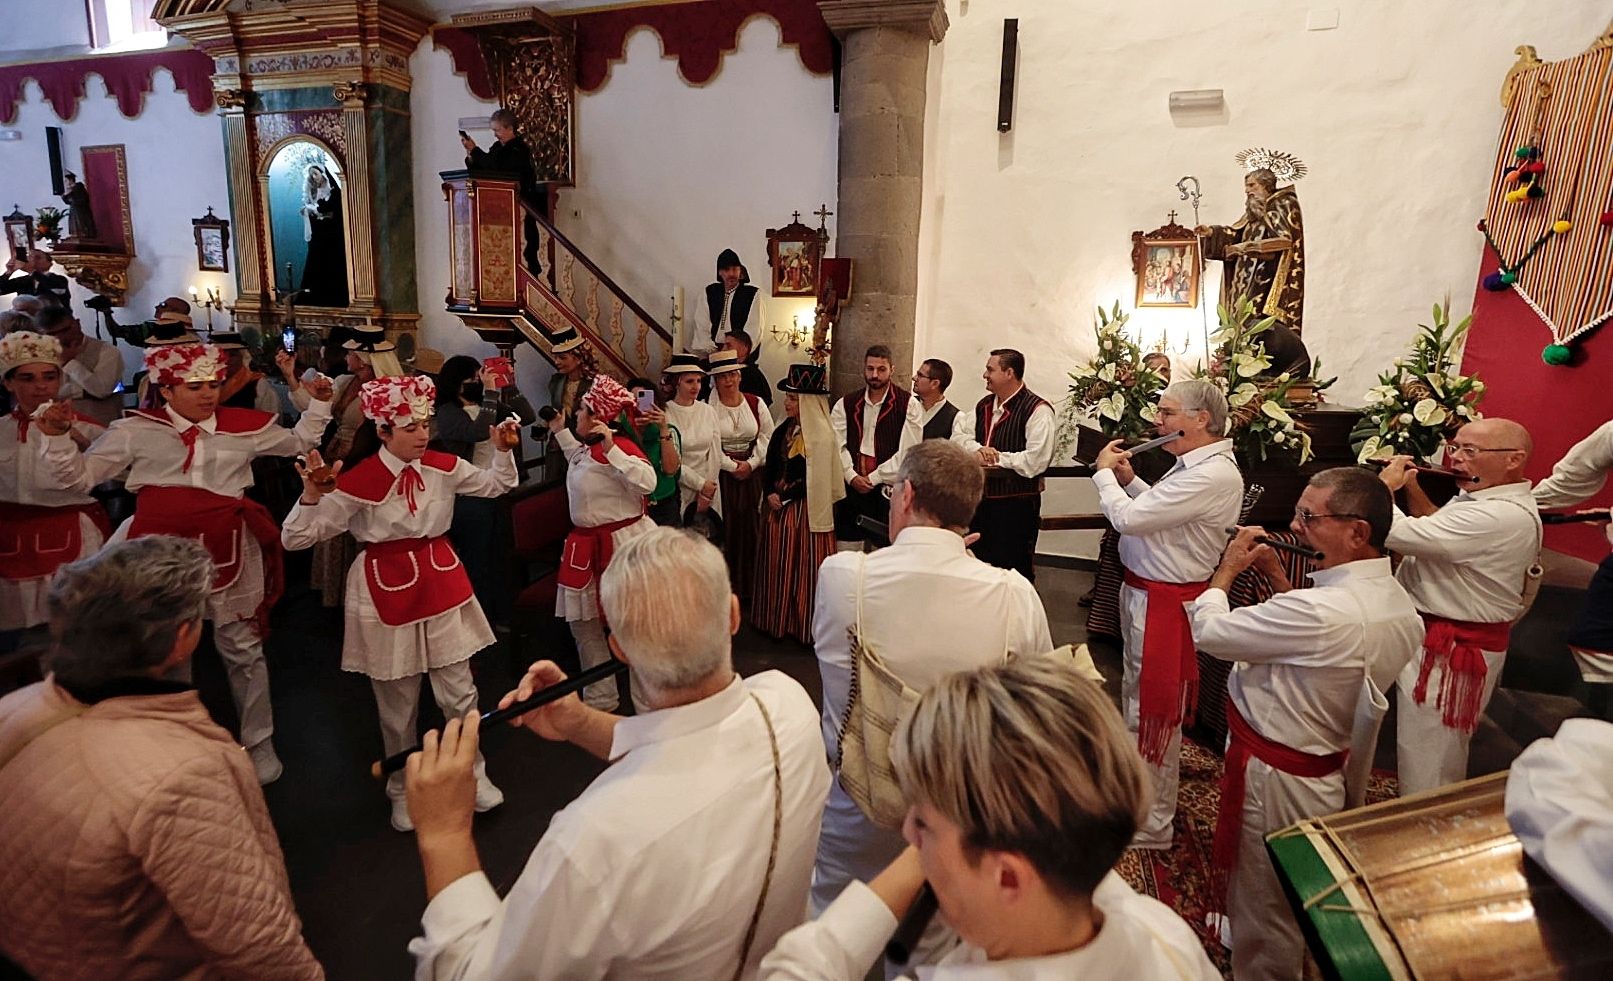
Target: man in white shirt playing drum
[
  {"x": 691, "y": 855},
  {"x": 1171, "y": 537},
  {"x": 1302, "y": 657},
  {"x": 928, "y": 608},
  {"x": 1465, "y": 566}
]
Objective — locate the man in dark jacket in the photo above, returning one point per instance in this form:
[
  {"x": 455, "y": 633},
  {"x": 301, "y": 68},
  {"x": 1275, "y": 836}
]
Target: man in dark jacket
[
  {"x": 39, "y": 280},
  {"x": 510, "y": 156}
]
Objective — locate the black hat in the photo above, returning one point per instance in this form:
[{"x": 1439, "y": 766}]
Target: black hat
[
  {"x": 682, "y": 364},
  {"x": 727, "y": 259},
  {"x": 368, "y": 340},
  {"x": 226, "y": 340},
  {"x": 805, "y": 379}
]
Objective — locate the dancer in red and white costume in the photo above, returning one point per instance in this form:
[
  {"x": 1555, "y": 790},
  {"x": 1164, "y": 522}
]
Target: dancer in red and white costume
[
  {"x": 42, "y": 527},
  {"x": 189, "y": 462},
  {"x": 607, "y": 479},
  {"x": 410, "y": 608}
]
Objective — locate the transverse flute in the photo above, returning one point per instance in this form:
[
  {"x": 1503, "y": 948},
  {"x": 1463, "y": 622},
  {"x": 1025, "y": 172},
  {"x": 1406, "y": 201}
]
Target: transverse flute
[
  {"x": 381, "y": 769},
  {"x": 900, "y": 946},
  {"x": 1309, "y": 553},
  {"x": 1159, "y": 441},
  {"x": 1438, "y": 471},
  {"x": 1572, "y": 517}
]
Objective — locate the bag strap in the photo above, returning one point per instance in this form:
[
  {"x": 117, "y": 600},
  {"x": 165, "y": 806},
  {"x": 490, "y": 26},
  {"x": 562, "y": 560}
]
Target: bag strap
[
  {"x": 772, "y": 851},
  {"x": 854, "y": 643}
]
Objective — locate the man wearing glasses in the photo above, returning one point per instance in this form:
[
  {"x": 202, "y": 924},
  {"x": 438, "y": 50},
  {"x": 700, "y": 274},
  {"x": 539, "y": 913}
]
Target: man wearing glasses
[
  {"x": 1303, "y": 661},
  {"x": 940, "y": 418},
  {"x": 1465, "y": 566},
  {"x": 1171, "y": 537}
]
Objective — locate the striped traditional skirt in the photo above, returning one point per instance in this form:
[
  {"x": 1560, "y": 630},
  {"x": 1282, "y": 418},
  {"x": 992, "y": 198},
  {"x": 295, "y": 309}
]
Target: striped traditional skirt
[
  {"x": 788, "y": 554},
  {"x": 741, "y": 501}
]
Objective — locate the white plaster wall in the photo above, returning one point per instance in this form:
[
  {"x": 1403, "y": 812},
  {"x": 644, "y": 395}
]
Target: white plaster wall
[
  {"x": 176, "y": 170},
  {"x": 1395, "y": 112},
  {"x": 669, "y": 175}
]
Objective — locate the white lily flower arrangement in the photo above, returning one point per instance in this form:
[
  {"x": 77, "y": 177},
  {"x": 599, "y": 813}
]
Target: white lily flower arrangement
[
  {"x": 1422, "y": 399},
  {"x": 1114, "y": 390},
  {"x": 1261, "y": 422}
]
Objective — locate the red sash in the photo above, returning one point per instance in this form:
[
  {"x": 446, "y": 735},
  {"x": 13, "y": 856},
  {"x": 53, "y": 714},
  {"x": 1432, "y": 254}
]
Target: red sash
[
  {"x": 1168, "y": 684},
  {"x": 36, "y": 540},
  {"x": 1246, "y": 742},
  {"x": 414, "y": 579},
  {"x": 216, "y": 521},
  {"x": 866, "y": 464},
  {"x": 1459, "y": 645},
  {"x": 588, "y": 551}
]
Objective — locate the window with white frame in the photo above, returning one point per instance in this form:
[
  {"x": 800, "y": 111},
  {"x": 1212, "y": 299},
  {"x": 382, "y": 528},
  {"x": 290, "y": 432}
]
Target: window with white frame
[{"x": 123, "y": 25}]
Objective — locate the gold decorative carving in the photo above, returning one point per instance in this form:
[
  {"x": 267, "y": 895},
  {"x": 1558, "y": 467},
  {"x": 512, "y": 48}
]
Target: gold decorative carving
[
  {"x": 230, "y": 99},
  {"x": 1527, "y": 61},
  {"x": 350, "y": 94},
  {"x": 107, "y": 275},
  {"x": 531, "y": 58}
]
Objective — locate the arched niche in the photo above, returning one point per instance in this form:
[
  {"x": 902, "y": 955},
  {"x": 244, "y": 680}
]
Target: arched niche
[{"x": 304, "y": 196}]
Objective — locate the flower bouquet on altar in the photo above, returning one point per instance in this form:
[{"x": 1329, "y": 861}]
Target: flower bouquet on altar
[
  {"x": 1115, "y": 390},
  {"x": 1260, "y": 419},
  {"x": 48, "y": 224},
  {"x": 1422, "y": 400}
]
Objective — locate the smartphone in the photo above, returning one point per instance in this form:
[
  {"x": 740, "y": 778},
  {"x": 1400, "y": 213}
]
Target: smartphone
[
  {"x": 646, "y": 401},
  {"x": 288, "y": 340}
]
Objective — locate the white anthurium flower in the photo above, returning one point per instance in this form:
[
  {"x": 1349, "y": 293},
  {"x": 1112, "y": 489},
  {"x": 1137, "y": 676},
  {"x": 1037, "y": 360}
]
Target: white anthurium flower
[
  {"x": 1242, "y": 394},
  {"x": 1381, "y": 395},
  {"x": 1304, "y": 447},
  {"x": 1112, "y": 407},
  {"x": 1436, "y": 381},
  {"x": 1429, "y": 413},
  {"x": 1277, "y": 412},
  {"x": 1148, "y": 413},
  {"x": 1249, "y": 366},
  {"x": 1370, "y": 450},
  {"x": 1107, "y": 373}
]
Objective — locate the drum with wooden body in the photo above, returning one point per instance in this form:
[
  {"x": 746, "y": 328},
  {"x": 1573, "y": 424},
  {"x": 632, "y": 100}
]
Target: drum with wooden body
[{"x": 1434, "y": 886}]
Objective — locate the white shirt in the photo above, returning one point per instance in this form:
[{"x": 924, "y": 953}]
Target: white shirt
[
  {"x": 91, "y": 380},
  {"x": 1037, "y": 455},
  {"x": 1580, "y": 473},
  {"x": 699, "y": 450},
  {"x": 20, "y": 464},
  {"x": 1467, "y": 560},
  {"x": 912, "y": 432},
  {"x": 1176, "y": 531},
  {"x": 1141, "y": 939},
  {"x": 390, "y": 520},
  {"x": 654, "y": 871},
  {"x": 701, "y": 343},
  {"x": 1301, "y": 655},
  {"x": 1560, "y": 805},
  {"x": 154, "y": 454},
  {"x": 603, "y": 493},
  {"x": 739, "y": 428}
]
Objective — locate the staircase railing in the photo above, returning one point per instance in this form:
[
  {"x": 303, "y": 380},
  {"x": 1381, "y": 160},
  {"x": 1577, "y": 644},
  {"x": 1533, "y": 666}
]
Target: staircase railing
[{"x": 494, "y": 292}]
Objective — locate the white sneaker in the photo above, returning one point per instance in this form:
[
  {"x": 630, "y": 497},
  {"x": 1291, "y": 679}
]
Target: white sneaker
[
  {"x": 400, "y": 815},
  {"x": 265, "y": 762},
  {"x": 487, "y": 795}
]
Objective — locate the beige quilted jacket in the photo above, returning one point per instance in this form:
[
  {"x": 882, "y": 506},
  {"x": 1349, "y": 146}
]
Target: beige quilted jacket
[{"x": 134, "y": 844}]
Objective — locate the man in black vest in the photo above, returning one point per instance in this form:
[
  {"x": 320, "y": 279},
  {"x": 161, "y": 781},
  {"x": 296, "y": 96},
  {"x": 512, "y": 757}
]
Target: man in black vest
[
  {"x": 872, "y": 426},
  {"x": 510, "y": 156},
  {"x": 729, "y": 303},
  {"x": 939, "y": 418},
  {"x": 1012, "y": 433}
]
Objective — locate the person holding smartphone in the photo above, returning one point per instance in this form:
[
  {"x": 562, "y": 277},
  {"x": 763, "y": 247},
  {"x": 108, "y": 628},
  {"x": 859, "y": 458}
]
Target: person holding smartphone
[
  {"x": 646, "y": 423},
  {"x": 509, "y": 156}
]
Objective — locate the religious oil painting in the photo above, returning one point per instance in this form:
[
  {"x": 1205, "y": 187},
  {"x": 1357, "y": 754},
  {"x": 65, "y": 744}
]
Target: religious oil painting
[
  {"x": 212, "y": 243},
  {"x": 1168, "y": 273},
  {"x": 795, "y": 252}
]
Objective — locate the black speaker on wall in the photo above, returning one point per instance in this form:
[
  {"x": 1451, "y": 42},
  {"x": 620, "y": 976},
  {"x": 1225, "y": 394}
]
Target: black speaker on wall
[
  {"x": 53, "y": 146},
  {"x": 1005, "y": 94}
]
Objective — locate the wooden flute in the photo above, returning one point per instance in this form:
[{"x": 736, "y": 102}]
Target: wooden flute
[
  {"x": 1437, "y": 471},
  {"x": 1308, "y": 552},
  {"x": 381, "y": 769}
]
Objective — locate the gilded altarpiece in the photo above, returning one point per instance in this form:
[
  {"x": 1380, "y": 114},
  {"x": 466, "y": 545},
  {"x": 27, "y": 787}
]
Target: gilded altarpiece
[{"x": 306, "y": 86}]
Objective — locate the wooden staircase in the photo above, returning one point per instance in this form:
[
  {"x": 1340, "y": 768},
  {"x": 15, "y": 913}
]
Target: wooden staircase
[{"x": 493, "y": 292}]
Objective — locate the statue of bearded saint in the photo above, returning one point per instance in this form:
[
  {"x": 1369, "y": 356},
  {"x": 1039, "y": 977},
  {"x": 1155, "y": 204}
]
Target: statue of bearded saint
[{"x": 1263, "y": 252}]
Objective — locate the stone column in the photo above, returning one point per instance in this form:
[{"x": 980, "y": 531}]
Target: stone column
[{"x": 885, "y": 55}]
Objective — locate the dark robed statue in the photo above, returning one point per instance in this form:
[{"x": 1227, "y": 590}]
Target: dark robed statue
[
  {"x": 80, "y": 222},
  {"x": 1263, "y": 252}
]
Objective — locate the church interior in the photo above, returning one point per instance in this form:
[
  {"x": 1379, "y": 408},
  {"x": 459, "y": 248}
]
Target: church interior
[{"x": 1110, "y": 193}]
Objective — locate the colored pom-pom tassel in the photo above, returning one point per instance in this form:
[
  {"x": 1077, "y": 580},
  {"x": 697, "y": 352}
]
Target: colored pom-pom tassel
[
  {"x": 1557, "y": 354},
  {"x": 1509, "y": 277},
  {"x": 1534, "y": 168},
  {"x": 1522, "y": 152},
  {"x": 1515, "y": 196},
  {"x": 1562, "y": 227},
  {"x": 1536, "y": 191},
  {"x": 1607, "y": 219},
  {"x": 1494, "y": 283},
  {"x": 1511, "y": 177}
]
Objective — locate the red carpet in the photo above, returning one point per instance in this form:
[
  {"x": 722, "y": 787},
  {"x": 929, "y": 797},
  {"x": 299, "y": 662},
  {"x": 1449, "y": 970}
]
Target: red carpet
[{"x": 1180, "y": 877}]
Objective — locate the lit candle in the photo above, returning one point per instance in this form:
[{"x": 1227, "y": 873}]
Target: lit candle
[{"x": 193, "y": 293}]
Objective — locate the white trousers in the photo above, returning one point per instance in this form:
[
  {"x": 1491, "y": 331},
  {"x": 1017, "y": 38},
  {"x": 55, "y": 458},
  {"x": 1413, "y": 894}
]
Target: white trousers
[
  {"x": 1156, "y": 826},
  {"x": 399, "y": 704},
  {"x": 1429, "y": 754},
  {"x": 593, "y": 650},
  {"x": 241, "y": 650},
  {"x": 1266, "y": 942}
]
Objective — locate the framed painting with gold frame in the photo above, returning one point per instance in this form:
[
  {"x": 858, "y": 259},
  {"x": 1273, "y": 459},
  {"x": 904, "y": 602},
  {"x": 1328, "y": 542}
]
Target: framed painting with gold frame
[
  {"x": 19, "y": 233},
  {"x": 212, "y": 242},
  {"x": 795, "y": 253},
  {"x": 1166, "y": 264}
]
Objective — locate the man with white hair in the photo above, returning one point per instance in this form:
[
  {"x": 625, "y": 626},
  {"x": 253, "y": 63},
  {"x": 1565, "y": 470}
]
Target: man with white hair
[
  {"x": 690, "y": 856},
  {"x": 1465, "y": 565},
  {"x": 1171, "y": 538}
]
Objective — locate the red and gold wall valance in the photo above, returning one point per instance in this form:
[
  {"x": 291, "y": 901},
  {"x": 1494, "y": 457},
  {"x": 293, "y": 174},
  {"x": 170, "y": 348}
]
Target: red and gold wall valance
[{"x": 127, "y": 78}]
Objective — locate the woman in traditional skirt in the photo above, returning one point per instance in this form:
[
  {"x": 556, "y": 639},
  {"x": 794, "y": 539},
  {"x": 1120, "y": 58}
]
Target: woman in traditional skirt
[
  {"x": 410, "y": 607},
  {"x": 694, "y": 423},
  {"x": 744, "y": 424},
  {"x": 607, "y": 479},
  {"x": 802, "y": 479}
]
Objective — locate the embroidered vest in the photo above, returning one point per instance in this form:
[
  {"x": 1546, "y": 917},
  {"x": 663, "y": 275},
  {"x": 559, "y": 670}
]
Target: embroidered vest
[
  {"x": 1008, "y": 435},
  {"x": 738, "y": 311},
  {"x": 940, "y": 427},
  {"x": 887, "y": 428}
]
